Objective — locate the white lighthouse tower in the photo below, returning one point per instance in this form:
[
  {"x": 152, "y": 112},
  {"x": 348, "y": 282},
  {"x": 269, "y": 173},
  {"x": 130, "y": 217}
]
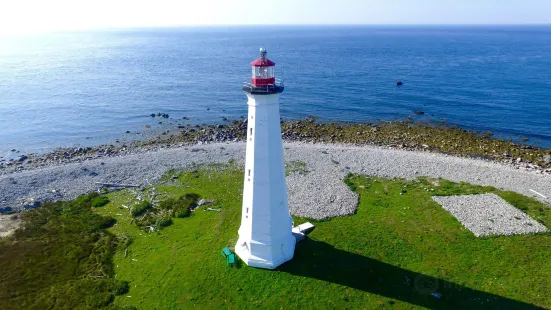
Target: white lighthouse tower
[{"x": 265, "y": 235}]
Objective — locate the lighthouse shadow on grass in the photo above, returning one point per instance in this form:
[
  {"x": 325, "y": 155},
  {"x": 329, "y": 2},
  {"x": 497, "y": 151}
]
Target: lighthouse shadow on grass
[{"x": 322, "y": 261}]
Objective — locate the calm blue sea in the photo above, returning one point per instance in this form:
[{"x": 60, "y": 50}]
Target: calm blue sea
[{"x": 86, "y": 88}]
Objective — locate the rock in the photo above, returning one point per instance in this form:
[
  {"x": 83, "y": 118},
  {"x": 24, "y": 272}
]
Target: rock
[
  {"x": 519, "y": 160},
  {"x": 547, "y": 159},
  {"x": 418, "y": 112},
  {"x": 152, "y": 114},
  {"x": 6, "y": 210},
  {"x": 30, "y": 203},
  {"x": 204, "y": 202},
  {"x": 399, "y": 83},
  {"x": 22, "y": 158},
  {"x": 13, "y": 150}
]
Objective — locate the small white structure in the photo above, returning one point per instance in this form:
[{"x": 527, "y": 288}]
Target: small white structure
[{"x": 265, "y": 235}]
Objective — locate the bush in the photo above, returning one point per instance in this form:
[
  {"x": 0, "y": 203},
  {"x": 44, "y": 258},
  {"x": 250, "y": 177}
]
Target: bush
[
  {"x": 99, "y": 201},
  {"x": 140, "y": 208},
  {"x": 180, "y": 207},
  {"x": 85, "y": 199},
  {"x": 164, "y": 221},
  {"x": 155, "y": 220},
  {"x": 181, "y": 211},
  {"x": 167, "y": 204},
  {"x": 148, "y": 219},
  {"x": 192, "y": 196}
]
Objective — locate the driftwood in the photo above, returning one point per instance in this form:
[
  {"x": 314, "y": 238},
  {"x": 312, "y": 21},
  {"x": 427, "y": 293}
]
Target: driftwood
[
  {"x": 540, "y": 194},
  {"x": 116, "y": 185}
]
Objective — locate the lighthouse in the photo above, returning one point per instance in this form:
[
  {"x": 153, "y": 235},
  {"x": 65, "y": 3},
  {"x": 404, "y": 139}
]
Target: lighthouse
[{"x": 265, "y": 235}]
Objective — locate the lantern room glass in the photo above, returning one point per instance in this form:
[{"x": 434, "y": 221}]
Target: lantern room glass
[{"x": 263, "y": 72}]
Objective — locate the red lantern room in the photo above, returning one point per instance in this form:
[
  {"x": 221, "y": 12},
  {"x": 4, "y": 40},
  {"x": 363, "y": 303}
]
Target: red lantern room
[{"x": 263, "y": 77}]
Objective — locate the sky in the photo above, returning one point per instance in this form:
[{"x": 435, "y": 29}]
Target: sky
[{"x": 29, "y": 16}]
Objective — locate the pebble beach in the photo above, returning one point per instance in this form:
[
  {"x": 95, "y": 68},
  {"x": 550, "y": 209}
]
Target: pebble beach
[{"x": 319, "y": 193}]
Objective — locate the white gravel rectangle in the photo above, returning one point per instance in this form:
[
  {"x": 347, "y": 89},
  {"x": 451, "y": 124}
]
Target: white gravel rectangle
[{"x": 489, "y": 214}]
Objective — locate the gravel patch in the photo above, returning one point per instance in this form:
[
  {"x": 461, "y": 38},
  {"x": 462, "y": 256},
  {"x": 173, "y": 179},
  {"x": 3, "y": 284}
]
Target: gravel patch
[
  {"x": 8, "y": 224},
  {"x": 488, "y": 215},
  {"x": 320, "y": 193}
]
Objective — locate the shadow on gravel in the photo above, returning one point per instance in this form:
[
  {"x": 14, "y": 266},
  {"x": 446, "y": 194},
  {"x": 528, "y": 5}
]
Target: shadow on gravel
[{"x": 326, "y": 263}]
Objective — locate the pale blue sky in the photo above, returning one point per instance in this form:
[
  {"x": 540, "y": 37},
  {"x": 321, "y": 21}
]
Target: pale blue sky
[{"x": 46, "y": 15}]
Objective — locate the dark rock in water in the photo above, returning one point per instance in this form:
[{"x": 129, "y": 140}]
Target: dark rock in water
[
  {"x": 32, "y": 205},
  {"x": 6, "y": 210},
  {"x": 22, "y": 158},
  {"x": 185, "y": 117},
  {"x": 128, "y": 131},
  {"x": 399, "y": 83},
  {"x": 152, "y": 114},
  {"x": 13, "y": 150},
  {"x": 418, "y": 112}
]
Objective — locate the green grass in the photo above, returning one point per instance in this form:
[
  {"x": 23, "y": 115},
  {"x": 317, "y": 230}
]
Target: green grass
[
  {"x": 397, "y": 249},
  {"x": 394, "y": 252},
  {"x": 61, "y": 259}
]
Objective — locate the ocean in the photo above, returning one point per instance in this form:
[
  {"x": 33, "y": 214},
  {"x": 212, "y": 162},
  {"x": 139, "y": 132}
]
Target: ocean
[{"x": 87, "y": 88}]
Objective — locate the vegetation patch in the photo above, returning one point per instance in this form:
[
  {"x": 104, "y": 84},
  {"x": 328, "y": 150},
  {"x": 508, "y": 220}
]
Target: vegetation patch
[
  {"x": 99, "y": 201},
  {"x": 400, "y": 250},
  {"x": 140, "y": 208},
  {"x": 60, "y": 259},
  {"x": 296, "y": 167},
  {"x": 152, "y": 218}
]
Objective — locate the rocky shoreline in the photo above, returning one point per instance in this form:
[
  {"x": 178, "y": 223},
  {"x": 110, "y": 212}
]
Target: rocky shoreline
[{"x": 435, "y": 138}]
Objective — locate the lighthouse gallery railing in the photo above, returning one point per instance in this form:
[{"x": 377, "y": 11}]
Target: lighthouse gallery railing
[{"x": 277, "y": 86}]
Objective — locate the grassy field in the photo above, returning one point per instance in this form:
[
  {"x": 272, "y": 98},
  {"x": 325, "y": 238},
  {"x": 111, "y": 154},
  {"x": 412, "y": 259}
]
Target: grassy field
[
  {"x": 61, "y": 259},
  {"x": 400, "y": 250}
]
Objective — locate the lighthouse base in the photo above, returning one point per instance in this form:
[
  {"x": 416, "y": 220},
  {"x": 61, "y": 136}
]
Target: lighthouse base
[{"x": 266, "y": 256}]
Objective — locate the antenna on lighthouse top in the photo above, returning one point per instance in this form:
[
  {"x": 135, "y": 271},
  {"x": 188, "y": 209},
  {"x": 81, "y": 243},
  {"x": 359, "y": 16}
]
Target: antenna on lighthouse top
[{"x": 263, "y": 52}]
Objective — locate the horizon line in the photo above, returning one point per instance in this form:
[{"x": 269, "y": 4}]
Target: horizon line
[{"x": 168, "y": 26}]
